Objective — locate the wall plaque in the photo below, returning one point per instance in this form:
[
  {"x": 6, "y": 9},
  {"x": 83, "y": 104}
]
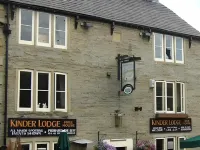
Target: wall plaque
[
  {"x": 161, "y": 125},
  {"x": 30, "y": 127}
]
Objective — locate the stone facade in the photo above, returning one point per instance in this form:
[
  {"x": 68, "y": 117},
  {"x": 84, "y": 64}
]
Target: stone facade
[{"x": 93, "y": 97}]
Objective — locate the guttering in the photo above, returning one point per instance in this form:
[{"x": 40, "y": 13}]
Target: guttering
[{"x": 95, "y": 18}]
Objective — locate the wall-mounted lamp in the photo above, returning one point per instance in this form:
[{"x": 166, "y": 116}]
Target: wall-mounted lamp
[
  {"x": 118, "y": 118},
  {"x": 145, "y": 34},
  {"x": 138, "y": 108},
  {"x": 86, "y": 25}
]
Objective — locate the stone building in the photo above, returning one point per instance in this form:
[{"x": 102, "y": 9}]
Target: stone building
[{"x": 63, "y": 73}]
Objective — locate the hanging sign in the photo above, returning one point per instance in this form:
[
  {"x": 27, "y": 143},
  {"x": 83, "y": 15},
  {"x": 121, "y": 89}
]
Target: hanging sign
[{"x": 30, "y": 127}]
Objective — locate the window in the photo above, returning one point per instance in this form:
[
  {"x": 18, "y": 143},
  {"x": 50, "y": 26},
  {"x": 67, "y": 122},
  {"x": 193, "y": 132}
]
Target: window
[
  {"x": 26, "y": 26},
  {"x": 60, "y": 32},
  {"x": 43, "y": 91},
  {"x": 179, "y": 50},
  {"x": 42, "y": 146},
  {"x": 60, "y": 92},
  {"x": 165, "y": 99},
  {"x": 158, "y": 51},
  {"x": 25, "y": 90},
  {"x": 168, "y": 143},
  {"x": 26, "y": 146},
  {"x": 170, "y": 51},
  {"x": 54, "y": 146},
  {"x": 43, "y": 29}
]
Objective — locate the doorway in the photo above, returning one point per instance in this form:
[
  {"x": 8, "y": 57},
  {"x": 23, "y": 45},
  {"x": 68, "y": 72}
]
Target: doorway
[{"x": 121, "y": 148}]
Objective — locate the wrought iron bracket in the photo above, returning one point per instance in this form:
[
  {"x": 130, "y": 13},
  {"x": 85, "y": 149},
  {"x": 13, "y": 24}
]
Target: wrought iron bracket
[
  {"x": 12, "y": 9},
  {"x": 76, "y": 22},
  {"x": 190, "y": 42},
  {"x": 112, "y": 28}
]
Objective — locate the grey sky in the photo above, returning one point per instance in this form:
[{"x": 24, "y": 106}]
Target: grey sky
[{"x": 189, "y": 10}]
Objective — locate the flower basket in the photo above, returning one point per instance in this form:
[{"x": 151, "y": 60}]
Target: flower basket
[
  {"x": 145, "y": 145},
  {"x": 104, "y": 146}
]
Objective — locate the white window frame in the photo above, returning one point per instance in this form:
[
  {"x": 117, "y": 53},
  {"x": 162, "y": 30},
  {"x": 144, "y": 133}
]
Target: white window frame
[
  {"x": 33, "y": 19},
  {"x": 26, "y": 143},
  {"x": 37, "y": 33},
  {"x": 36, "y": 143},
  {"x": 174, "y": 97},
  {"x": 178, "y": 141},
  {"x": 66, "y": 99},
  {"x": 53, "y": 144},
  {"x": 183, "y": 105},
  {"x": 18, "y": 92},
  {"x": 175, "y": 141},
  {"x": 161, "y": 139},
  {"x": 158, "y": 59},
  {"x": 168, "y": 60},
  {"x": 66, "y": 33},
  {"x": 177, "y": 61},
  {"x": 49, "y": 92}
]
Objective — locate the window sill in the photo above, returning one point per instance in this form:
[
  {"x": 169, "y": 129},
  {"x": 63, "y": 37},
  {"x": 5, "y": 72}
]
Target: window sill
[
  {"x": 172, "y": 115},
  {"x": 169, "y": 63}
]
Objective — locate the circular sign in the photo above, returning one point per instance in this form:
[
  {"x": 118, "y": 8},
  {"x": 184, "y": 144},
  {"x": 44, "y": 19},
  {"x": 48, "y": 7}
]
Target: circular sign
[{"x": 128, "y": 89}]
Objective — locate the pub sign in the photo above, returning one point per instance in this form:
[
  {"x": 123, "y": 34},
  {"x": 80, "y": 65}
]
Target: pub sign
[
  {"x": 30, "y": 127},
  {"x": 164, "y": 125}
]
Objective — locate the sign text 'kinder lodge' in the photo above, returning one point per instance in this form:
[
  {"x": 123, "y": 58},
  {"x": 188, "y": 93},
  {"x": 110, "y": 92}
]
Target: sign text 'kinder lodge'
[{"x": 40, "y": 127}]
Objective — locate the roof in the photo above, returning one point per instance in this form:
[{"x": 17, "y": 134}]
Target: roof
[{"x": 136, "y": 12}]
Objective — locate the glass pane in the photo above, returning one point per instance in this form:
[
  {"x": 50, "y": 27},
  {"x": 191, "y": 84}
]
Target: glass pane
[
  {"x": 169, "y": 41},
  {"x": 43, "y": 20},
  {"x": 170, "y": 144},
  {"x": 43, "y": 81},
  {"x": 25, "y": 80},
  {"x": 158, "y": 52},
  {"x": 60, "y": 100},
  {"x": 60, "y": 38},
  {"x": 170, "y": 104},
  {"x": 159, "y": 89},
  {"x": 179, "y": 43},
  {"x": 41, "y": 146},
  {"x": 180, "y": 139},
  {"x": 160, "y": 103},
  {"x": 169, "y": 53},
  {"x": 43, "y": 99},
  {"x": 60, "y": 82},
  {"x": 178, "y": 96},
  {"x": 26, "y": 17},
  {"x": 183, "y": 97},
  {"x": 26, "y": 33},
  {"x": 159, "y": 144},
  {"x": 43, "y": 36},
  {"x": 25, "y": 98},
  {"x": 25, "y": 147},
  {"x": 169, "y": 89},
  {"x": 55, "y": 146},
  {"x": 158, "y": 39},
  {"x": 179, "y": 55},
  {"x": 60, "y": 23}
]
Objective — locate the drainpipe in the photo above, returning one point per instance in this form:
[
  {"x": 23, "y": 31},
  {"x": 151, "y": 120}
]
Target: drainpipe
[{"x": 7, "y": 32}]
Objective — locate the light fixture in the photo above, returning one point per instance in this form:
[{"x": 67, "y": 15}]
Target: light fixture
[{"x": 86, "y": 25}]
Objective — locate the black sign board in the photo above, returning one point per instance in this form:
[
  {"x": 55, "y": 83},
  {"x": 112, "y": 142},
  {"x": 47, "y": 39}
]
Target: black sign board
[
  {"x": 30, "y": 127},
  {"x": 164, "y": 125}
]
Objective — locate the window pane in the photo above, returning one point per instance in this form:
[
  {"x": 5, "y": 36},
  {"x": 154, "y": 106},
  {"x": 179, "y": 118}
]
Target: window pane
[
  {"x": 60, "y": 100},
  {"x": 26, "y": 17},
  {"x": 170, "y": 144},
  {"x": 179, "y": 42},
  {"x": 178, "y": 98},
  {"x": 180, "y": 139},
  {"x": 55, "y": 146},
  {"x": 159, "y": 89},
  {"x": 158, "y": 52},
  {"x": 160, "y": 103},
  {"x": 169, "y": 53},
  {"x": 158, "y": 39},
  {"x": 170, "y": 106},
  {"x": 60, "y": 23},
  {"x": 170, "y": 89},
  {"x": 26, "y": 33},
  {"x": 43, "y": 97},
  {"x": 25, "y": 80},
  {"x": 60, "y": 38},
  {"x": 43, "y": 36},
  {"x": 25, "y": 147},
  {"x": 169, "y": 41},
  {"x": 159, "y": 144},
  {"x": 183, "y": 97},
  {"x": 43, "y": 20},
  {"x": 41, "y": 146},
  {"x": 179, "y": 56},
  {"x": 43, "y": 81},
  {"x": 25, "y": 98},
  {"x": 60, "y": 82}
]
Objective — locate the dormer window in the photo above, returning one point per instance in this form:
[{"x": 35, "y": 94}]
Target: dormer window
[{"x": 168, "y": 48}]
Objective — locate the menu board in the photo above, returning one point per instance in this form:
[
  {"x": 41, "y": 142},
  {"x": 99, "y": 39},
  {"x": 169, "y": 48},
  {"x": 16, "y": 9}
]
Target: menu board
[
  {"x": 30, "y": 127},
  {"x": 161, "y": 125}
]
